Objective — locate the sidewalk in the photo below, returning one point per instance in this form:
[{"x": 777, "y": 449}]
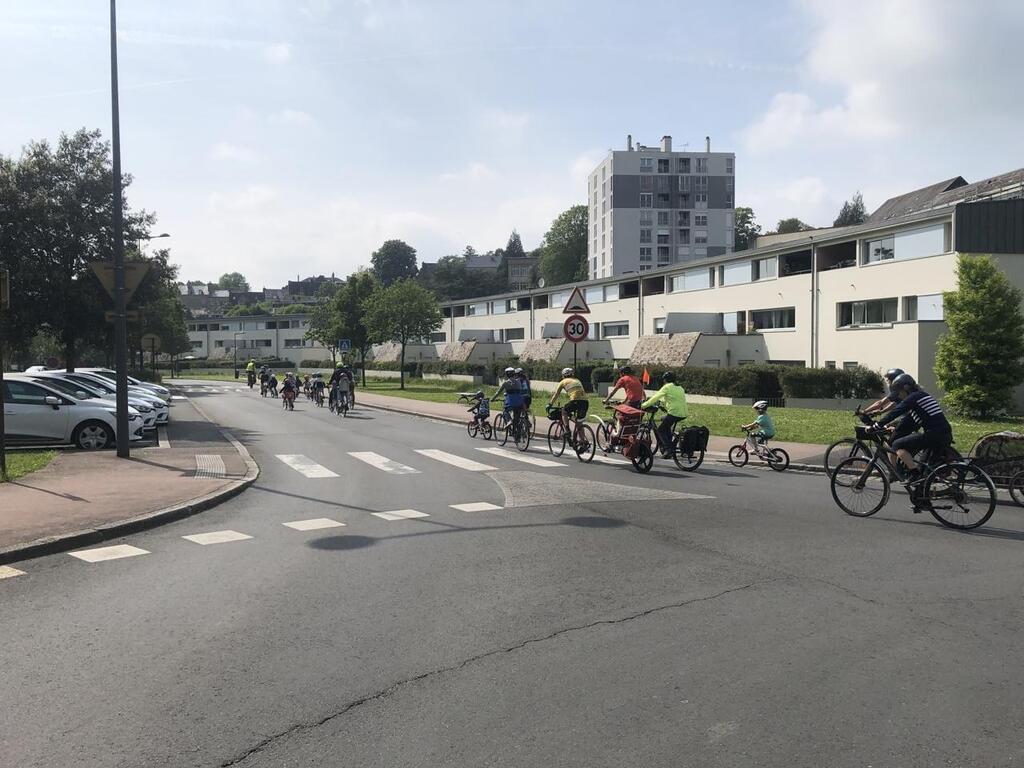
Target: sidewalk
[
  {"x": 808, "y": 456},
  {"x": 83, "y": 497}
]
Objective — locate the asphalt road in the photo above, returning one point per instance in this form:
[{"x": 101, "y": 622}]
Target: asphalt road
[{"x": 595, "y": 618}]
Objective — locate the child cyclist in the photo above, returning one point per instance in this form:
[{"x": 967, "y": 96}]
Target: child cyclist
[
  {"x": 317, "y": 387},
  {"x": 481, "y": 408},
  {"x": 762, "y": 428}
]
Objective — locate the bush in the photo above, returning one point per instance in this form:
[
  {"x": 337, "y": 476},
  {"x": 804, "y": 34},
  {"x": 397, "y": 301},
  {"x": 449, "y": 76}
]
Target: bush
[
  {"x": 148, "y": 374},
  {"x": 411, "y": 368},
  {"x": 600, "y": 375},
  {"x": 831, "y": 383},
  {"x": 450, "y": 367},
  {"x": 328, "y": 363},
  {"x": 228, "y": 364}
]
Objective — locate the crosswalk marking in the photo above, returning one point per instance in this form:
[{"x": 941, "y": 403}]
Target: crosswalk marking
[
  {"x": 315, "y": 524},
  {"x": 116, "y": 552},
  {"x": 518, "y": 456},
  {"x": 399, "y": 514},
  {"x": 6, "y": 572},
  {"x": 475, "y": 506},
  {"x": 455, "y": 461},
  {"x": 216, "y": 537},
  {"x": 382, "y": 462},
  {"x": 209, "y": 465},
  {"x": 305, "y": 465}
]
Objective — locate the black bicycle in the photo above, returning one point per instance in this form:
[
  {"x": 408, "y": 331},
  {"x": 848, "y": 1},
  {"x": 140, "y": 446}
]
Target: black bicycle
[{"x": 687, "y": 447}]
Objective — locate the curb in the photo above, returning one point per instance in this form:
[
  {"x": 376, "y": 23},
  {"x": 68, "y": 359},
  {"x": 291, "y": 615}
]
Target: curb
[{"x": 56, "y": 544}]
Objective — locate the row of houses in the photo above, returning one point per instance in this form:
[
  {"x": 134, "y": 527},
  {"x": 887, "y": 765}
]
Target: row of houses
[{"x": 207, "y": 299}]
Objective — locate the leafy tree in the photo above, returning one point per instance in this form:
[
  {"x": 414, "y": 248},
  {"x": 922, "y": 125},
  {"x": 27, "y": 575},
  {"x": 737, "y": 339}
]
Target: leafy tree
[
  {"x": 789, "y": 226},
  {"x": 260, "y": 308},
  {"x": 324, "y": 321},
  {"x": 745, "y": 228},
  {"x": 401, "y": 312},
  {"x": 979, "y": 361},
  {"x": 349, "y": 304},
  {"x": 292, "y": 309},
  {"x": 233, "y": 281},
  {"x": 563, "y": 256},
  {"x": 852, "y": 212},
  {"x": 394, "y": 260}
]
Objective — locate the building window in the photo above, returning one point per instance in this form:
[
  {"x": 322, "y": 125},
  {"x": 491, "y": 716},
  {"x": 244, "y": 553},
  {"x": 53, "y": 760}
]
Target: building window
[
  {"x": 700, "y": 237},
  {"x": 684, "y": 165},
  {"x": 928, "y": 307},
  {"x": 730, "y": 165},
  {"x": 700, "y": 184},
  {"x": 262, "y": 343},
  {"x": 849, "y": 365},
  {"x": 646, "y": 165},
  {"x": 683, "y": 237},
  {"x": 773, "y": 318},
  {"x": 728, "y": 184},
  {"x": 664, "y": 199},
  {"x": 646, "y": 183},
  {"x": 831, "y": 364},
  {"x": 645, "y": 235},
  {"x": 684, "y": 183},
  {"x": 659, "y": 325},
  {"x": 645, "y": 254},
  {"x": 662, "y": 165},
  {"x": 646, "y": 216},
  {"x": 853, "y": 314},
  {"x": 683, "y": 218},
  {"x": 663, "y": 218},
  {"x": 196, "y": 344},
  {"x": 292, "y": 343},
  {"x": 559, "y": 299},
  {"x": 700, "y": 219},
  {"x": 513, "y": 334},
  {"x": 476, "y": 309},
  {"x": 701, "y": 200},
  {"x": 604, "y": 172},
  {"x": 662, "y": 185},
  {"x": 646, "y": 200},
  {"x": 764, "y": 268},
  {"x": 613, "y": 330},
  {"x": 664, "y": 254},
  {"x": 702, "y": 165},
  {"x": 734, "y": 273},
  {"x": 594, "y": 295},
  {"x": 437, "y": 338},
  {"x": 879, "y": 250},
  {"x": 664, "y": 238},
  {"x": 713, "y": 363},
  {"x": 219, "y": 344}
]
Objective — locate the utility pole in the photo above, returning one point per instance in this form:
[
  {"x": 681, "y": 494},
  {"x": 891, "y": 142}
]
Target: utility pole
[
  {"x": 5, "y": 303},
  {"x": 120, "y": 318}
]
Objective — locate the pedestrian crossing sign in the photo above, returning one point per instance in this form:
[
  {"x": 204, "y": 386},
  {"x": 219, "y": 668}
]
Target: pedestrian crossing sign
[
  {"x": 576, "y": 305},
  {"x": 344, "y": 345}
]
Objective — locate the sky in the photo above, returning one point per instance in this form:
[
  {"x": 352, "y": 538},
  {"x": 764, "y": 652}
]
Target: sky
[{"x": 292, "y": 137}]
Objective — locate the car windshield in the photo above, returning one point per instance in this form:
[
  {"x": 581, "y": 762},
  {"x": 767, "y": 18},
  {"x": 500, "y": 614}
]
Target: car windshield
[
  {"x": 95, "y": 383},
  {"x": 73, "y": 389}
]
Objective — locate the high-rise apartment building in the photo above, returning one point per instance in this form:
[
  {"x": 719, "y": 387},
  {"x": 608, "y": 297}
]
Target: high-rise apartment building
[{"x": 651, "y": 207}]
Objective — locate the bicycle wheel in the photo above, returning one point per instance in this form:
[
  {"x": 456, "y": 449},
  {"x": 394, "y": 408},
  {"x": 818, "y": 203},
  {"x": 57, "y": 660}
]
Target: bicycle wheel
[
  {"x": 522, "y": 433},
  {"x": 585, "y": 443},
  {"x": 556, "y": 438},
  {"x": 472, "y": 427},
  {"x": 738, "y": 456},
  {"x": 778, "y": 459},
  {"x": 501, "y": 428},
  {"x": 643, "y": 459},
  {"x": 687, "y": 462},
  {"x": 843, "y": 449},
  {"x": 960, "y": 496},
  {"x": 859, "y": 487},
  {"x": 1017, "y": 488},
  {"x": 603, "y": 435},
  {"x": 485, "y": 430}
]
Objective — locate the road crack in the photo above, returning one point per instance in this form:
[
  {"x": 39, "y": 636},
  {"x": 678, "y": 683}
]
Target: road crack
[{"x": 384, "y": 693}]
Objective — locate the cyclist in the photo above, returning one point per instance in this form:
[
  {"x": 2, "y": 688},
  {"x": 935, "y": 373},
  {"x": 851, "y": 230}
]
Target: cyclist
[
  {"x": 351, "y": 386},
  {"x": 272, "y": 382},
  {"x": 342, "y": 391},
  {"x": 634, "y": 390},
  {"x": 339, "y": 371},
  {"x": 290, "y": 387},
  {"x": 889, "y": 400},
  {"x": 250, "y": 371},
  {"x": 306, "y": 381},
  {"x": 763, "y": 427},
  {"x": 578, "y": 404},
  {"x": 264, "y": 378},
  {"x": 317, "y": 385},
  {"x": 524, "y": 386},
  {"x": 674, "y": 397},
  {"x": 513, "y": 393},
  {"x": 481, "y": 408},
  {"x": 921, "y": 411}
]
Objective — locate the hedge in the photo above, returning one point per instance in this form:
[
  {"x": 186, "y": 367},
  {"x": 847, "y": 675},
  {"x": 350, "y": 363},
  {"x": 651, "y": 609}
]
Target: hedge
[
  {"x": 186, "y": 365},
  {"x": 312, "y": 363},
  {"x": 854, "y": 383}
]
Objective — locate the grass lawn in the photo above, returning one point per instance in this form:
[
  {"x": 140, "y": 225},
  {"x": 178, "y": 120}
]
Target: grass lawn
[{"x": 20, "y": 463}]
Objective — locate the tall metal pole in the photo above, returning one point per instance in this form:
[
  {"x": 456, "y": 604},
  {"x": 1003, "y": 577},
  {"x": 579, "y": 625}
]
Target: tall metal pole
[{"x": 120, "y": 317}]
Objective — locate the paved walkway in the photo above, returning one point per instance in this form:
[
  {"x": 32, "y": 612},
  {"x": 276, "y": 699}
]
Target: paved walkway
[
  {"x": 81, "y": 491},
  {"x": 807, "y": 454}
]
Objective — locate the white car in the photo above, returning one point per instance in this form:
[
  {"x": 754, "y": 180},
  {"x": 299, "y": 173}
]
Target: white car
[
  {"x": 83, "y": 391},
  {"x": 106, "y": 385},
  {"x": 157, "y": 389},
  {"x": 35, "y": 414}
]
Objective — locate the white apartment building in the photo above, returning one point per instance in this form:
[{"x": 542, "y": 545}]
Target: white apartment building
[
  {"x": 651, "y": 207},
  {"x": 281, "y": 336}
]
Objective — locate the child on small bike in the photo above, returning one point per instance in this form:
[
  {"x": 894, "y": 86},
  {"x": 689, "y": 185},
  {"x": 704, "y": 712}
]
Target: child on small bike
[
  {"x": 762, "y": 428},
  {"x": 481, "y": 408}
]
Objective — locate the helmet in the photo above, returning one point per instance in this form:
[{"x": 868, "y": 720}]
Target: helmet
[
  {"x": 626, "y": 370},
  {"x": 903, "y": 381},
  {"x": 339, "y": 364},
  {"x": 519, "y": 370},
  {"x": 317, "y": 375},
  {"x": 668, "y": 377},
  {"x": 892, "y": 373},
  {"x": 760, "y": 405},
  {"x": 509, "y": 371},
  {"x": 478, "y": 394},
  {"x": 567, "y": 371}
]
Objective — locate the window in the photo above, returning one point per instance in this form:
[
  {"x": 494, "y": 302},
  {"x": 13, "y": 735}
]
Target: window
[
  {"x": 292, "y": 343},
  {"x": 684, "y": 183},
  {"x": 683, "y": 250},
  {"x": 927, "y": 307},
  {"x": 662, "y": 184},
  {"x": 916, "y": 243},
  {"x": 683, "y": 236},
  {"x": 476, "y": 309},
  {"x": 23, "y": 393},
  {"x": 701, "y": 200},
  {"x": 219, "y": 344},
  {"x": 499, "y": 308},
  {"x": 645, "y": 254},
  {"x": 730, "y": 165},
  {"x": 735, "y": 273},
  {"x": 262, "y": 343},
  {"x": 659, "y": 325},
  {"x": 645, "y": 235},
  {"x": 646, "y": 164},
  {"x": 663, "y": 237},
  {"x": 595, "y": 295},
  {"x": 559, "y": 299},
  {"x": 728, "y": 185},
  {"x": 646, "y": 200},
  {"x": 611, "y": 330},
  {"x": 879, "y": 250},
  {"x": 857, "y": 313},
  {"x": 611, "y": 293},
  {"x": 773, "y": 318},
  {"x": 684, "y": 165},
  {"x": 664, "y": 254},
  {"x": 830, "y": 364},
  {"x": 700, "y": 219},
  {"x": 664, "y": 198},
  {"x": 692, "y": 280},
  {"x": 700, "y": 237},
  {"x": 604, "y": 172},
  {"x": 702, "y": 165},
  {"x": 763, "y": 268},
  {"x": 646, "y": 183},
  {"x": 683, "y": 218},
  {"x": 712, "y": 363},
  {"x": 700, "y": 184},
  {"x": 436, "y": 338},
  {"x": 849, "y": 365},
  {"x": 513, "y": 334},
  {"x": 196, "y": 344},
  {"x": 663, "y": 218},
  {"x": 662, "y": 165},
  {"x": 646, "y": 216}
]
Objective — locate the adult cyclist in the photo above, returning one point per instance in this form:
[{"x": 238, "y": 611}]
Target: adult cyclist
[
  {"x": 339, "y": 371},
  {"x": 578, "y": 404},
  {"x": 922, "y": 412},
  {"x": 674, "y": 398},
  {"x": 250, "y": 372},
  {"x": 889, "y": 400},
  {"x": 512, "y": 391}
]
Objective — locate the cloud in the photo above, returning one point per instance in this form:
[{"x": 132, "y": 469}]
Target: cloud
[
  {"x": 293, "y": 117},
  {"x": 474, "y": 172},
  {"x": 225, "y": 151},
  {"x": 278, "y": 53},
  {"x": 246, "y": 199}
]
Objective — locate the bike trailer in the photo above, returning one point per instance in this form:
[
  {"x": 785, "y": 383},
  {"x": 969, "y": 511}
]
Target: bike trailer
[
  {"x": 1000, "y": 454},
  {"x": 694, "y": 439}
]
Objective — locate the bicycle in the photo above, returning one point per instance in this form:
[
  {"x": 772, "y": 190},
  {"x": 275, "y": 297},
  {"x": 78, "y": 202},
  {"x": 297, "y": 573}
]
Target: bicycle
[
  {"x": 581, "y": 436},
  {"x": 318, "y": 396},
  {"x": 686, "y": 456},
  {"x": 776, "y": 458},
  {"x": 250, "y": 377},
  {"x": 478, "y": 424},
  {"x": 847, "y": 447},
  {"x": 288, "y": 399},
  {"x": 339, "y": 402},
  {"x": 626, "y": 440},
  {"x": 517, "y": 428},
  {"x": 957, "y": 493}
]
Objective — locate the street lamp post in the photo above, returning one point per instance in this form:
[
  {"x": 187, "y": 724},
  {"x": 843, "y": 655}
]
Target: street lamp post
[
  {"x": 120, "y": 318},
  {"x": 234, "y": 347},
  {"x": 147, "y": 239}
]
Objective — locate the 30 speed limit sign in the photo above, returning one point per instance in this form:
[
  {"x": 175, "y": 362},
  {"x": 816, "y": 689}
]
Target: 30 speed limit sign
[{"x": 576, "y": 328}]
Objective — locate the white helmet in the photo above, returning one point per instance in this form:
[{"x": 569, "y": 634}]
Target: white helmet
[
  {"x": 567, "y": 371},
  {"x": 761, "y": 405},
  {"x": 518, "y": 371},
  {"x": 509, "y": 371}
]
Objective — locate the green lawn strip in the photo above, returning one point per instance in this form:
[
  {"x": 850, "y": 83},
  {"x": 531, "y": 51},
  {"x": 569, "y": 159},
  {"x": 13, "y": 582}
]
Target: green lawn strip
[{"x": 20, "y": 463}]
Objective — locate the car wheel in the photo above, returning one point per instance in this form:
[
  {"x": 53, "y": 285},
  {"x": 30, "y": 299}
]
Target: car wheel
[{"x": 92, "y": 436}]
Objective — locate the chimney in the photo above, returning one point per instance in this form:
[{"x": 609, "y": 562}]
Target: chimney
[
  {"x": 666, "y": 143},
  {"x": 629, "y": 142},
  {"x": 707, "y": 144}
]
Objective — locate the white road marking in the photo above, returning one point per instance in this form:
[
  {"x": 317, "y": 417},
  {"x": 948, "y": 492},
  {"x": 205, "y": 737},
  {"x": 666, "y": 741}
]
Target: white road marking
[
  {"x": 305, "y": 465},
  {"x": 604, "y": 459},
  {"x": 115, "y": 552},
  {"x": 6, "y": 572},
  {"x": 162, "y": 441},
  {"x": 399, "y": 514},
  {"x": 178, "y": 397},
  {"x": 315, "y": 524},
  {"x": 455, "y": 461},
  {"x": 216, "y": 537},
  {"x": 382, "y": 462},
  {"x": 475, "y": 506},
  {"x": 519, "y": 456},
  {"x": 210, "y": 465}
]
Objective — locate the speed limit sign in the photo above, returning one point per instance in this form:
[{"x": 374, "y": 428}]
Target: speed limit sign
[{"x": 576, "y": 328}]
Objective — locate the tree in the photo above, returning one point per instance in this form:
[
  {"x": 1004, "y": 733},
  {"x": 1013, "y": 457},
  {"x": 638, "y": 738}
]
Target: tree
[
  {"x": 746, "y": 229},
  {"x": 790, "y": 226},
  {"x": 233, "y": 281},
  {"x": 852, "y": 212},
  {"x": 394, "y": 260},
  {"x": 349, "y": 303},
  {"x": 563, "y": 257},
  {"x": 324, "y": 323},
  {"x": 401, "y": 312},
  {"x": 979, "y": 361},
  {"x": 260, "y": 308},
  {"x": 292, "y": 309}
]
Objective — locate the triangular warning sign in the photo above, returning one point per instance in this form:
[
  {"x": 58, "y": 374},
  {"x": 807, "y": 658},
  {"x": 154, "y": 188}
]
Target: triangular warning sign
[
  {"x": 134, "y": 272},
  {"x": 576, "y": 305}
]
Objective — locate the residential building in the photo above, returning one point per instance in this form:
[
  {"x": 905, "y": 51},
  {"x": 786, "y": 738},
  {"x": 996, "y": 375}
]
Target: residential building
[
  {"x": 487, "y": 262},
  {"x": 652, "y": 207},
  {"x": 520, "y": 272},
  {"x": 281, "y": 336}
]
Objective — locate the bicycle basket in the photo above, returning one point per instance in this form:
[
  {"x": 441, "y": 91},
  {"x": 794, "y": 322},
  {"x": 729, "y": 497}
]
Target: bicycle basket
[
  {"x": 554, "y": 412},
  {"x": 863, "y": 433}
]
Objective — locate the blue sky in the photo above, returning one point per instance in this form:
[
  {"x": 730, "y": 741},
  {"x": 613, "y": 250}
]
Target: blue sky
[{"x": 293, "y": 137}]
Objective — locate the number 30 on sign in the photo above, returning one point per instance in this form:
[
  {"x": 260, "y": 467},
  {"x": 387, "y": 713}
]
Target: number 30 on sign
[{"x": 576, "y": 328}]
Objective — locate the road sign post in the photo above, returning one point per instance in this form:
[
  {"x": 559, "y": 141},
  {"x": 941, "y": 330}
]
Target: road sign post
[
  {"x": 575, "y": 329},
  {"x": 5, "y": 302}
]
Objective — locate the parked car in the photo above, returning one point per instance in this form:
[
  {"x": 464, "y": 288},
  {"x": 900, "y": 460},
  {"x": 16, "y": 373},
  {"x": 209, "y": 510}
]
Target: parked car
[
  {"x": 106, "y": 385},
  {"x": 37, "y": 414},
  {"x": 162, "y": 391},
  {"x": 83, "y": 391}
]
